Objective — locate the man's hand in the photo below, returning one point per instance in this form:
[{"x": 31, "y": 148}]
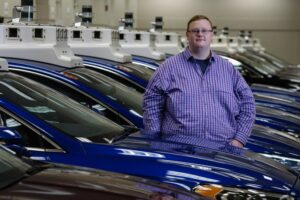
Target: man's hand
[{"x": 236, "y": 143}]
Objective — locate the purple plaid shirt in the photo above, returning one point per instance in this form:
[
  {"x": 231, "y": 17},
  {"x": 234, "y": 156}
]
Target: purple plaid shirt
[{"x": 183, "y": 105}]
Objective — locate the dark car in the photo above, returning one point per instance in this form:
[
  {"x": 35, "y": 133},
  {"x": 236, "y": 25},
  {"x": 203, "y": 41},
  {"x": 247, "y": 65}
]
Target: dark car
[
  {"x": 255, "y": 72},
  {"x": 26, "y": 179}
]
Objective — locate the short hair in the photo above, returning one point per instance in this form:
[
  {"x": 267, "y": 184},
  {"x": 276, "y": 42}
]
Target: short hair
[{"x": 196, "y": 18}]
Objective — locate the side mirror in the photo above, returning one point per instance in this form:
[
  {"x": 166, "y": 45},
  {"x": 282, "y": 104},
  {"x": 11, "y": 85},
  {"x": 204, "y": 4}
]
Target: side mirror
[
  {"x": 9, "y": 136},
  {"x": 13, "y": 140}
]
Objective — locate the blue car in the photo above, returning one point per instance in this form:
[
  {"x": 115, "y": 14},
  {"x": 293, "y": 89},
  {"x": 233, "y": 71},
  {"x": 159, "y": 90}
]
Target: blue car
[
  {"x": 278, "y": 120},
  {"x": 49, "y": 126},
  {"x": 288, "y": 94},
  {"x": 282, "y": 104}
]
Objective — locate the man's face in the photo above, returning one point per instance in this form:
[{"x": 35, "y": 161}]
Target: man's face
[{"x": 199, "y": 34}]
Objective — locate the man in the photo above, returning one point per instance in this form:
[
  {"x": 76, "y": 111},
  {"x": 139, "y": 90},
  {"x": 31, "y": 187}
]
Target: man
[{"x": 196, "y": 95}]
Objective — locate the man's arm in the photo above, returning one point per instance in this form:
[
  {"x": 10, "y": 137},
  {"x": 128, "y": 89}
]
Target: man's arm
[
  {"x": 246, "y": 117},
  {"x": 153, "y": 106}
]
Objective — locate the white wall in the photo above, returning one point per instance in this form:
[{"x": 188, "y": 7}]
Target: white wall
[
  {"x": 109, "y": 12},
  {"x": 275, "y": 22},
  {"x": 6, "y": 7}
]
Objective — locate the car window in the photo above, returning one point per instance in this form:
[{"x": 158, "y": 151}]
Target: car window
[
  {"x": 120, "y": 78},
  {"x": 243, "y": 69},
  {"x": 259, "y": 66},
  {"x": 56, "y": 109},
  {"x": 262, "y": 61},
  {"x": 30, "y": 138},
  {"x": 137, "y": 70}
]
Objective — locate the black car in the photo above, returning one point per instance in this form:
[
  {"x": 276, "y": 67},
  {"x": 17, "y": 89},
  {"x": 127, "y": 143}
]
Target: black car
[
  {"x": 26, "y": 179},
  {"x": 255, "y": 72}
]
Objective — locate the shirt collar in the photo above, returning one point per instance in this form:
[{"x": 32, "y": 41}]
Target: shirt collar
[{"x": 188, "y": 56}]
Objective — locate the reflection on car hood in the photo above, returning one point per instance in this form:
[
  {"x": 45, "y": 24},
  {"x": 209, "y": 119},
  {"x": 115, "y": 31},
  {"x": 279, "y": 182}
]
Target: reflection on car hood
[
  {"x": 77, "y": 183},
  {"x": 217, "y": 160}
]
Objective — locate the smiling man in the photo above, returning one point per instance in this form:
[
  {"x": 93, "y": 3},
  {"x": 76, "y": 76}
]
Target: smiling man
[{"x": 198, "y": 96}]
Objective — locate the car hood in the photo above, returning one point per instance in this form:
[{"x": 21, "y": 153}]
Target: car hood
[
  {"x": 282, "y": 118},
  {"x": 65, "y": 182},
  {"x": 213, "y": 162},
  {"x": 277, "y": 102},
  {"x": 267, "y": 140},
  {"x": 289, "y": 94}
]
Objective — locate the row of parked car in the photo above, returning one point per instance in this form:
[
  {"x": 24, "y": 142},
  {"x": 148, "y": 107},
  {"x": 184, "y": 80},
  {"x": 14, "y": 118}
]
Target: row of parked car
[{"x": 73, "y": 96}]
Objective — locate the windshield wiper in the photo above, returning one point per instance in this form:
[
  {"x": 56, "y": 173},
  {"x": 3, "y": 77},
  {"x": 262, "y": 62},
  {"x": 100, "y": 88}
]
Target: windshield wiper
[{"x": 128, "y": 130}]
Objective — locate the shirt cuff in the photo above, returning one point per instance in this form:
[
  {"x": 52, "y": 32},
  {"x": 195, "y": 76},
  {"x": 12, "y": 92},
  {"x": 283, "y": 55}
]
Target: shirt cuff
[{"x": 241, "y": 138}]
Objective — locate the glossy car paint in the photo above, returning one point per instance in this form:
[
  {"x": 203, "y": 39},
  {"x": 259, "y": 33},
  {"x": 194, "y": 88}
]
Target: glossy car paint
[{"x": 287, "y": 94}]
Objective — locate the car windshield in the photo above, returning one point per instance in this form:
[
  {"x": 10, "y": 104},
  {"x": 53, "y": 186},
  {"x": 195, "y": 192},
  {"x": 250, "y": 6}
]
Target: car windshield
[
  {"x": 124, "y": 95},
  {"x": 257, "y": 64},
  {"x": 56, "y": 109},
  {"x": 262, "y": 60},
  {"x": 145, "y": 61},
  {"x": 12, "y": 169},
  {"x": 243, "y": 69},
  {"x": 279, "y": 62}
]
